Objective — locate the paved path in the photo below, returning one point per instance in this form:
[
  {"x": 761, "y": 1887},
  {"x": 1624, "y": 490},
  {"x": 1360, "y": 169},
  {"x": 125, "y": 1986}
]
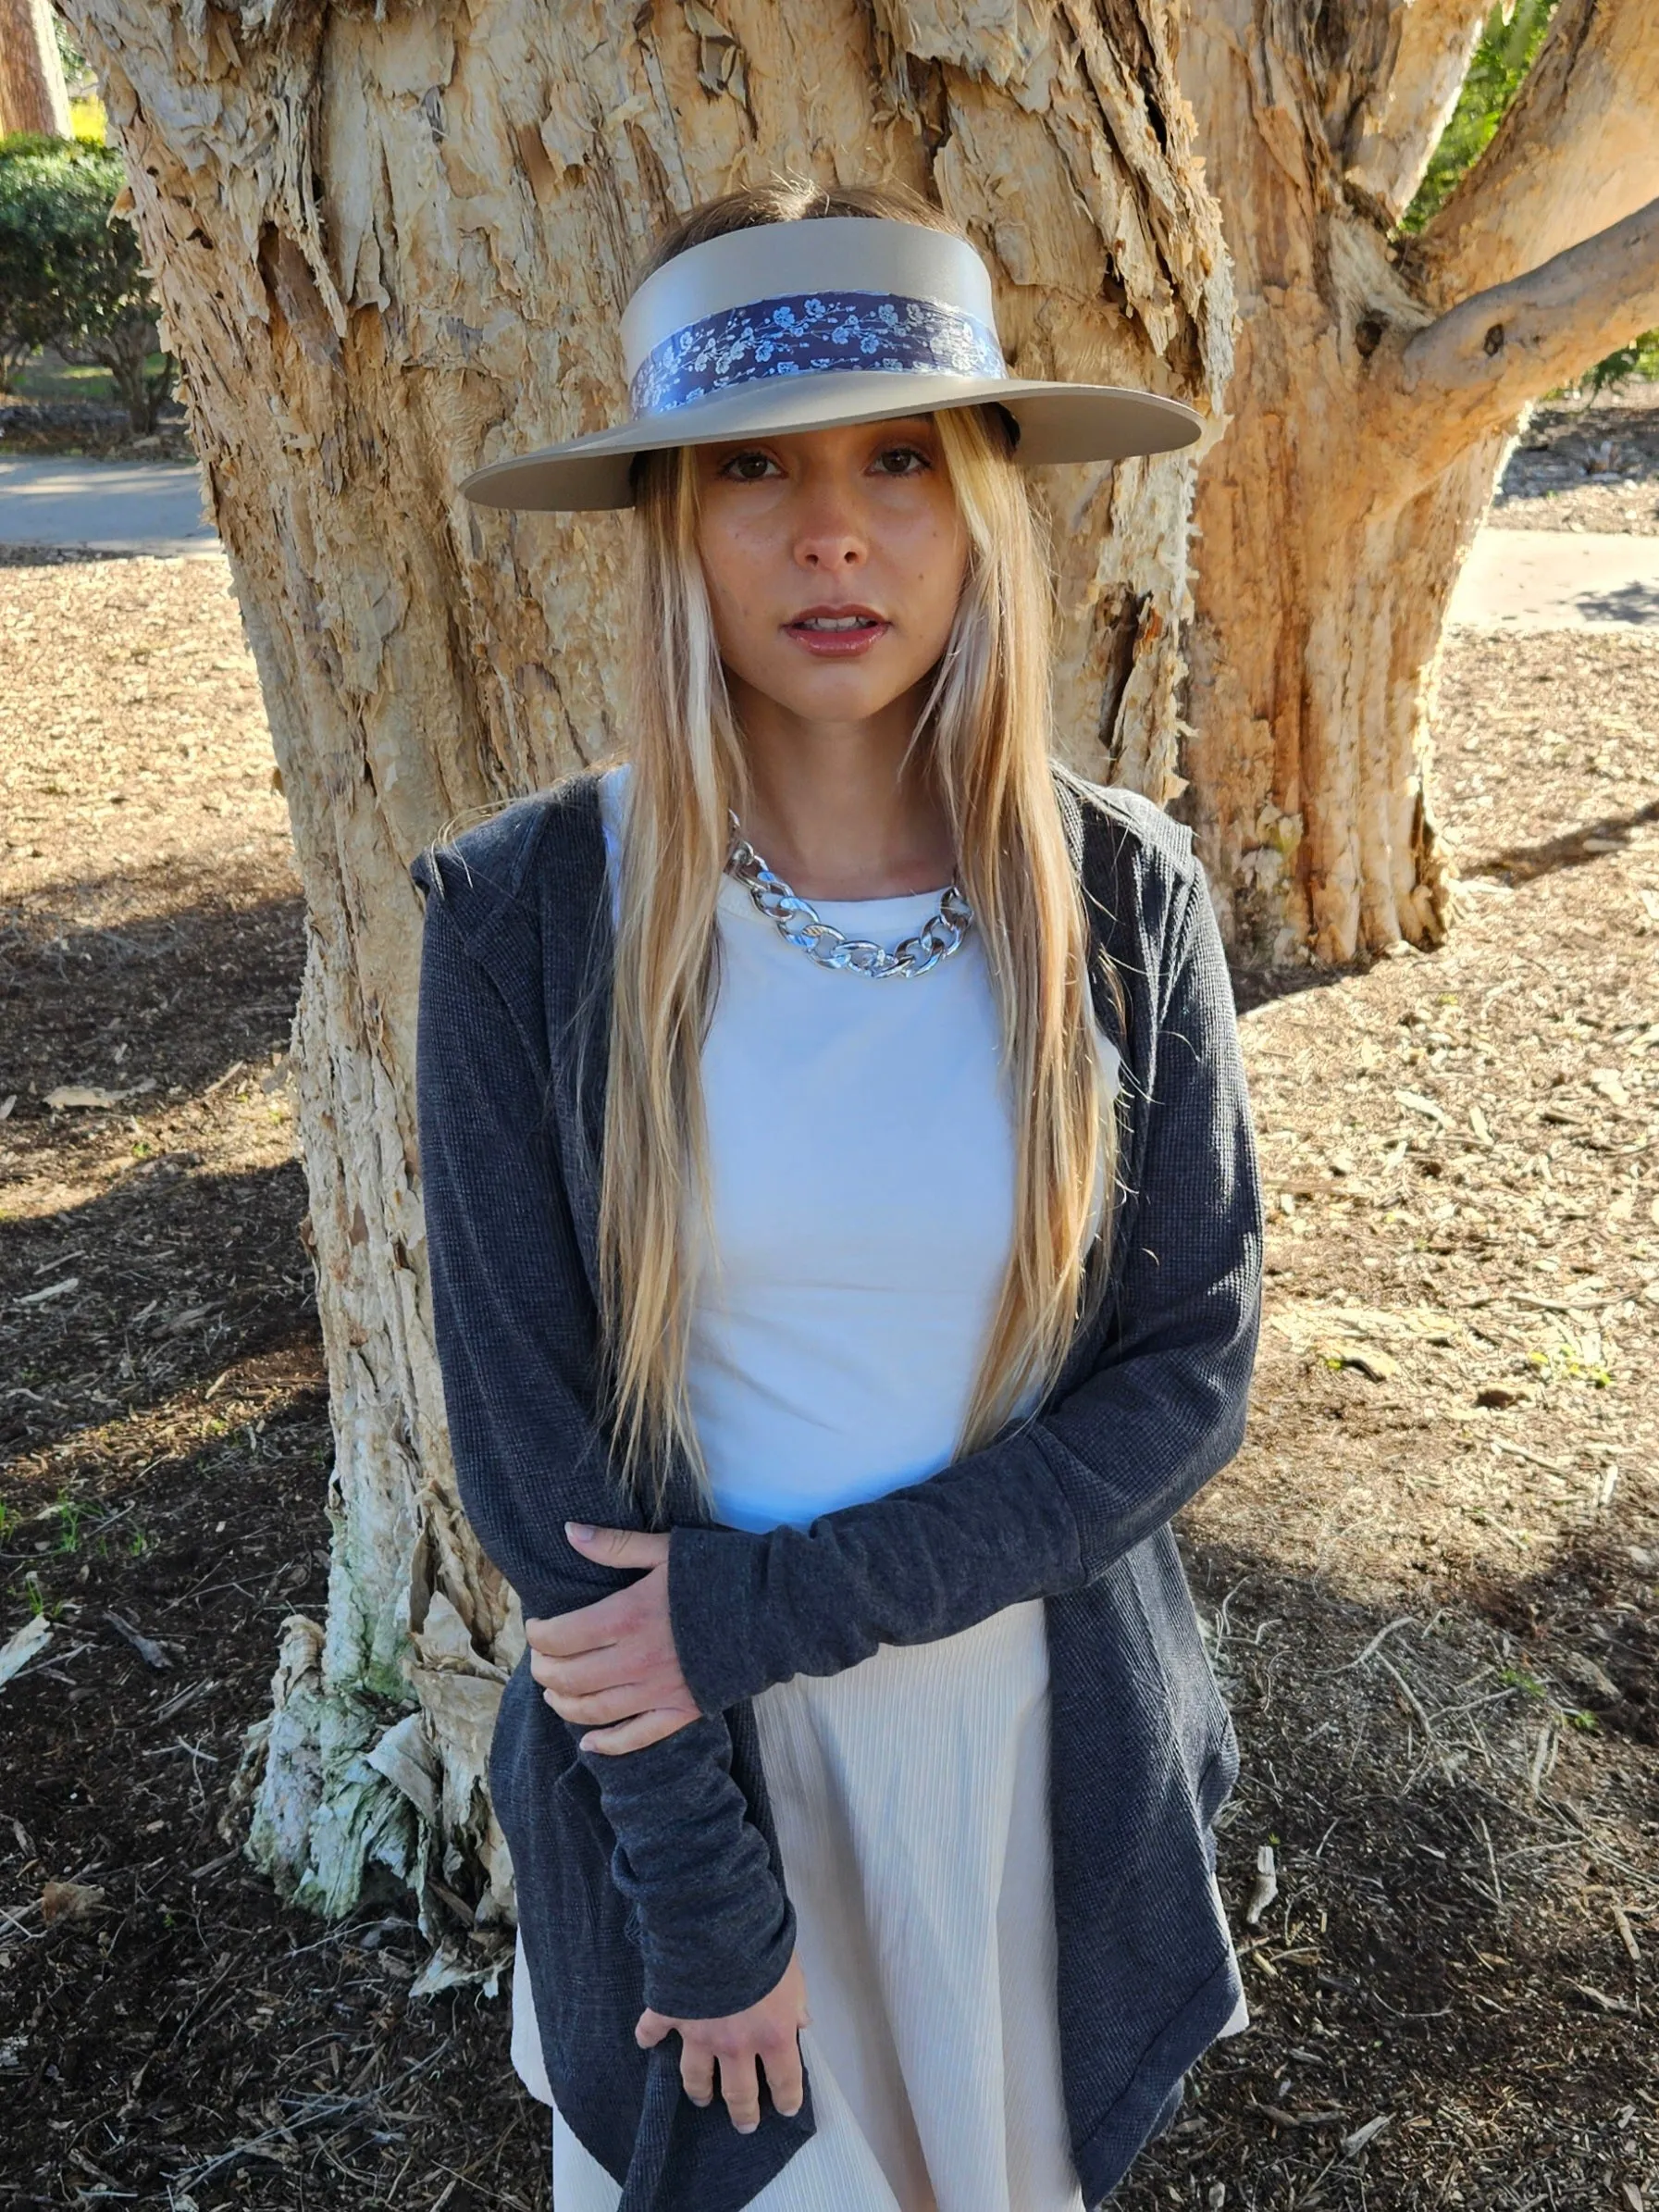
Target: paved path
[
  {"x": 112, "y": 506},
  {"x": 1559, "y": 579}
]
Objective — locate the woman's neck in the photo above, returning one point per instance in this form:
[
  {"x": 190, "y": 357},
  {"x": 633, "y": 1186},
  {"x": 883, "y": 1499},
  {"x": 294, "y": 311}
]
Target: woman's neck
[{"x": 832, "y": 813}]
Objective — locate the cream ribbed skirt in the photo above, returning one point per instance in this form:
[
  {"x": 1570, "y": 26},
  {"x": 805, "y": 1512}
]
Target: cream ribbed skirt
[{"x": 911, "y": 1795}]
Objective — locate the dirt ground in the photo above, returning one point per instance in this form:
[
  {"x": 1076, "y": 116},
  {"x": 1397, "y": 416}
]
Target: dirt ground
[
  {"x": 1586, "y": 464},
  {"x": 1430, "y": 1580}
]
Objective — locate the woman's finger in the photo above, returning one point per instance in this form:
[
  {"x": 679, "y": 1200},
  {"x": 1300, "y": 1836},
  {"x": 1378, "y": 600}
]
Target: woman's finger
[
  {"x": 634, "y": 1735},
  {"x": 602, "y": 1668},
  {"x": 588, "y": 1677},
  {"x": 599, "y": 1707},
  {"x": 585, "y": 1628},
  {"x": 784, "y": 2077},
  {"x": 697, "y": 2071},
  {"x": 620, "y": 1701},
  {"x": 740, "y": 2084},
  {"x": 619, "y": 1547}
]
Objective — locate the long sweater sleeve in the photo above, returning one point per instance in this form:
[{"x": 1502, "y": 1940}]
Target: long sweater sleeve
[
  {"x": 1045, "y": 1509},
  {"x": 515, "y": 1338}
]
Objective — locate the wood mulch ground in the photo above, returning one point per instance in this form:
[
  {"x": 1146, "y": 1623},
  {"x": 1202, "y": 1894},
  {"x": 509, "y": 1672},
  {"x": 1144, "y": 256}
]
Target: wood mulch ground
[
  {"x": 1430, "y": 1580},
  {"x": 1584, "y": 464}
]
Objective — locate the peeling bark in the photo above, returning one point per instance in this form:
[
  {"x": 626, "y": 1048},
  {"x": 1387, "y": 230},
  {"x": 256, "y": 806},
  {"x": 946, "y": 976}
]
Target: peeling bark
[
  {"x": 1378, "y": 385},
  {"x": 390, "y": 245}
]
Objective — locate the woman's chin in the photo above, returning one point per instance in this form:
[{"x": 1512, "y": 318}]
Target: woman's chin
[{"x": 832, "y": 691}]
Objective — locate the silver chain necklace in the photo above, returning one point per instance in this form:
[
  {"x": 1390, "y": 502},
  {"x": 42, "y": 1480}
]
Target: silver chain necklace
[{"x": 800, "y": 922}]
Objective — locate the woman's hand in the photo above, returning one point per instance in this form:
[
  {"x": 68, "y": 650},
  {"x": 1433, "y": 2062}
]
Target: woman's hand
[
  {"x": 614, "y": 1661},
  {"x": 767, "y": 2032}
]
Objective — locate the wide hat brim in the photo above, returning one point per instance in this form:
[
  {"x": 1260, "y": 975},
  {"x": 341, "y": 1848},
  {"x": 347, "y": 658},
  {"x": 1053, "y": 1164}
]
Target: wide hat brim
[{"x": 1058, "y": 422}]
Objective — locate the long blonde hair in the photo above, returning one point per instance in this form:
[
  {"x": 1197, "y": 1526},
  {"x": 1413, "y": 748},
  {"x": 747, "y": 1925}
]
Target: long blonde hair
[{"x": 984, "y": 739}]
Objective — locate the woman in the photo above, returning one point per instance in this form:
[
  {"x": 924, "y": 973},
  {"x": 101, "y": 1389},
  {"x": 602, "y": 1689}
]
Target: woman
[{"x": 838, "y": 1288}]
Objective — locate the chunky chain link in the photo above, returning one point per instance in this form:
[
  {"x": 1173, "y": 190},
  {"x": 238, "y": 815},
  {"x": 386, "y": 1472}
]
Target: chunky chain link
[{"x": 800, "y": 922}]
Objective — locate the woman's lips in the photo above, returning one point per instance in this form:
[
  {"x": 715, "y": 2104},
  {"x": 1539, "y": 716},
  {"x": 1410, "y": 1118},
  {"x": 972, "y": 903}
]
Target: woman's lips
[{"x": 838, "y": 644}]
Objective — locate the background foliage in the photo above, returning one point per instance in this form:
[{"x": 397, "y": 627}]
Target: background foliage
[{"x": 70, "y": 275}]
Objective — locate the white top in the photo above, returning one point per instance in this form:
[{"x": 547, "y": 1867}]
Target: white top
[{"x": 861, "y": 1159}]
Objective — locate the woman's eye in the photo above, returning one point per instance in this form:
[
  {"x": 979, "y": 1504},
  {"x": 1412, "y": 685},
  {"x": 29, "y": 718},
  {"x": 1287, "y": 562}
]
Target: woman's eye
[
  {"x": 746, "y": 468},
  {"x": 901, "y": 454}
]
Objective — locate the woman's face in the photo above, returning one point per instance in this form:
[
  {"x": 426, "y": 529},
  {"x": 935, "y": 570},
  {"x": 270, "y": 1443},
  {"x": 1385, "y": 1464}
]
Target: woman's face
[{"x": 833, "y": 560}]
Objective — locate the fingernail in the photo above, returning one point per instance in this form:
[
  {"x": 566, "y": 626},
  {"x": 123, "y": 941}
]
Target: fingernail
[
  {"x": 749, "y": 2129},
  {"x": 700, "y": 2100},
  {"x": 581, "y": 1531}
]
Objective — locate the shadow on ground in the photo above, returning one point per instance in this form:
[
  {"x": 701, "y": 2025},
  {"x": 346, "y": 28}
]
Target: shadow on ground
[{"x": 1577, "y": 848}]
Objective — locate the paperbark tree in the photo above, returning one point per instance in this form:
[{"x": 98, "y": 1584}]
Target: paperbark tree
[
  {"x": 1379, "y": 383},
  {"x": 33, "y": 93},
  {"x": 390, "y": 244}
]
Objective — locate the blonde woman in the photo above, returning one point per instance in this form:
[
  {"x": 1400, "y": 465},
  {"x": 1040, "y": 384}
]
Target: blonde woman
[{"x": 844, "y": 1264}]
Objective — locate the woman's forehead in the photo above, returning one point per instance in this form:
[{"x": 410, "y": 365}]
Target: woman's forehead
[{"x": 829, "y": 438}]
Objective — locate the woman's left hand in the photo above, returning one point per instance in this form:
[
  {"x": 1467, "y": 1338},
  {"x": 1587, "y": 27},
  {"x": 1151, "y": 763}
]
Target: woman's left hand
[{"x": 614, "y": 1661}]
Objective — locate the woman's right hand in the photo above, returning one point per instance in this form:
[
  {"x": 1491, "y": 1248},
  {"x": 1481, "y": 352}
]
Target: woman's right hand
[{"x": 766, "y": 2032}]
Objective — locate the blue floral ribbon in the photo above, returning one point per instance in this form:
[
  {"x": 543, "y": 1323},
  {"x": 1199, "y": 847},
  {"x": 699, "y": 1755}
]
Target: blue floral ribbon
[{"x": 812, "y": 331}]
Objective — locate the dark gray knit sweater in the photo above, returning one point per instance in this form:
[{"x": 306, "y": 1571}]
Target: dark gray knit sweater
[{"x": 653, "y": 1877}]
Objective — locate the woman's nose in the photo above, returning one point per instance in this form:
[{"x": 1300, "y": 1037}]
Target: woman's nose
[{"x": 829, "y": 534}]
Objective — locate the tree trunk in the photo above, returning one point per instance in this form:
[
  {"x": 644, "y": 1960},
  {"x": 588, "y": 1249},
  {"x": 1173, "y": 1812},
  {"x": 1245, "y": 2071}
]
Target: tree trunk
[
  {"x": 389, "y": 251},
  {"x": 33, "y": 96},
  {"x": 1379, "y": 384}
]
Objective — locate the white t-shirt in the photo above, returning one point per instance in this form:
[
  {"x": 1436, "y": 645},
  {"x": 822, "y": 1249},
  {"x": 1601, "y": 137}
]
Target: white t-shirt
[{"x": 861, "y": 1157}]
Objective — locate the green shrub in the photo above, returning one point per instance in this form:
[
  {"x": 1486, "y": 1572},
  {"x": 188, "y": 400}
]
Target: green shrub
[
  {"x": 70, "y": 276},
  {"x": 1640, "y": 359},
  {"x": 27, "y": 318}
]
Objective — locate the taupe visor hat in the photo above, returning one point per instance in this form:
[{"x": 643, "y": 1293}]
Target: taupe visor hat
[{"x": 797, "y": 326}]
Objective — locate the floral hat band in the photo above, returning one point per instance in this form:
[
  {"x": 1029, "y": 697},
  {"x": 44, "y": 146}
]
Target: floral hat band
[
  {"x": 797, "y": 326},
  {"x": 808, "y": 333}
]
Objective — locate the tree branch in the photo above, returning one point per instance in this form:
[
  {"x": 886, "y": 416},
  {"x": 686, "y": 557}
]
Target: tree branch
[
  {"x": 1476, "y": 367},
  {"x": 1577, "y": 149},
  {"x": 1412, "y": 101}
]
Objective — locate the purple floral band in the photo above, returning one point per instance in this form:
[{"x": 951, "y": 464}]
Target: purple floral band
[{"x": 812, "y": 331}]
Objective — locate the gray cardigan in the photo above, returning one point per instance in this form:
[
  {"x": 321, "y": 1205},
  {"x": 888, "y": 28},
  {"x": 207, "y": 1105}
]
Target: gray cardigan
[{"x": 653, "y": 1877}]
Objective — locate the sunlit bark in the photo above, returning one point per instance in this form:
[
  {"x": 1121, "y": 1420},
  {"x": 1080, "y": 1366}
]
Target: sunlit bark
[{"x": 33, "y": 96}]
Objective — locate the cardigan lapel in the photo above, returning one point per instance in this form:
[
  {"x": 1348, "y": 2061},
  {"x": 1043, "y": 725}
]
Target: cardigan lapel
[{"x": 578, "y": 950}]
